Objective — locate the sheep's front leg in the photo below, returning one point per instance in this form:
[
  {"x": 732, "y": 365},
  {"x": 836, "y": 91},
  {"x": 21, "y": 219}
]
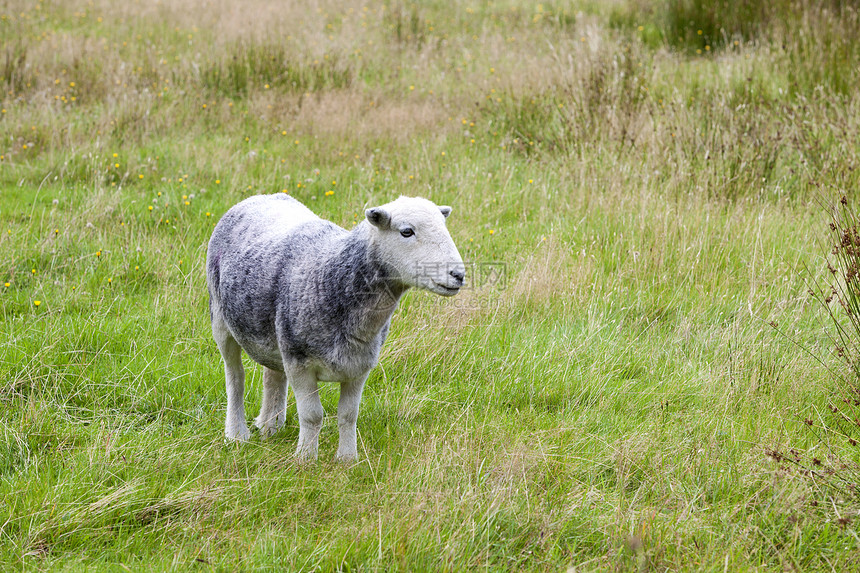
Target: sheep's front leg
[
  {"x": 347, "y": 416},
  {"x": 235, "y": 427},
  {"x": 273, "y": 411},
  {"x": 310, "y": 412}
]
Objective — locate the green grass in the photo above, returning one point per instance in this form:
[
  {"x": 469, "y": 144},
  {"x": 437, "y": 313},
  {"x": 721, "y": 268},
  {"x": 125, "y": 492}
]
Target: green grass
[{"x": 637, "y": 379}]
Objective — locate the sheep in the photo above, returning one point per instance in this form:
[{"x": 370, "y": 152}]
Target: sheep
[{"x": 312, "y": 302}]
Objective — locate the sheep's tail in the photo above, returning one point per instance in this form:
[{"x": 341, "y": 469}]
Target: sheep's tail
[{"x": 213, "y": 279}]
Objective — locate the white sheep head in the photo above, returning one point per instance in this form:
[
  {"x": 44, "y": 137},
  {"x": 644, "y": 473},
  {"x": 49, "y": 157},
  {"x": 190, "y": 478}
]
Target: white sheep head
[{"x": 410, "y": 236}]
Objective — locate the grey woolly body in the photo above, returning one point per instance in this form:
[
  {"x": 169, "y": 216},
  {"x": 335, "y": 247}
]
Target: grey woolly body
[
  {"x": 312, "y": 293},
  {"x": 312, "y": 302}
]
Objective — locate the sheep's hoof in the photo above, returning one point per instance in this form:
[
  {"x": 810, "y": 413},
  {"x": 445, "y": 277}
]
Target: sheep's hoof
[
  {"x": 237, "y": 434},
  {"x": 346, "y": 458},
  {"x": 267, "y": 431},
  {"x": 268, "y": 428},
  {"x": 305, "y": 457}
]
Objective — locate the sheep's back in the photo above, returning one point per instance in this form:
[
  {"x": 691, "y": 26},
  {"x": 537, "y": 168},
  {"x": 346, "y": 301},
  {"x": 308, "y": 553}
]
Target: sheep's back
[{"x": 258, "y": 259}]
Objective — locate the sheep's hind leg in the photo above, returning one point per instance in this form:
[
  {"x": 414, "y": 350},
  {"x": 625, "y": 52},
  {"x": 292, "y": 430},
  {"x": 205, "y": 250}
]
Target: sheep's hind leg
[
  {"x": 310, "y": 412},
  {"x": 273, "y": 411},
  {"x": 347, "y": 416},
  {"x": 235, "y": 427}
]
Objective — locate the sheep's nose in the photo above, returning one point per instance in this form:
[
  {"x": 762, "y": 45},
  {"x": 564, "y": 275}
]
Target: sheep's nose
[{"x": 458, "y": 275}]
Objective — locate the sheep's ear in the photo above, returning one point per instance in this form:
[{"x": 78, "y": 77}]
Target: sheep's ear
[
  {"x": 378, "y": 217},
  {"x": 446, "y": 210}
]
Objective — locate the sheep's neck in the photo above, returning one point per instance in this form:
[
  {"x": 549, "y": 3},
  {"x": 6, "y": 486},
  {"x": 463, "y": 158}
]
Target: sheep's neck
[
  {"x": 373, "y": 315},
  {"x": 371, "y": 289}
]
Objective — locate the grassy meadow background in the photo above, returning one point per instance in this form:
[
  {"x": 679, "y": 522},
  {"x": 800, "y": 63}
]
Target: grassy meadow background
[{"x": 636, "y": 379}]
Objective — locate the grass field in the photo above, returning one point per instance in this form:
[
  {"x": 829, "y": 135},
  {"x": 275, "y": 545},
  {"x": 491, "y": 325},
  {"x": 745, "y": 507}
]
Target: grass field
[{"x": 635, "y": 380}]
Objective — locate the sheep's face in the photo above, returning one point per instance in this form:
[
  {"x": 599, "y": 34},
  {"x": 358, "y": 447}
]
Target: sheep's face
[{"x": 410, "y": 235}]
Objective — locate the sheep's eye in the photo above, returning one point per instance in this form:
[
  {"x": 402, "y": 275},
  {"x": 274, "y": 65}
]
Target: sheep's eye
[{"x": 407, "y": 232}]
